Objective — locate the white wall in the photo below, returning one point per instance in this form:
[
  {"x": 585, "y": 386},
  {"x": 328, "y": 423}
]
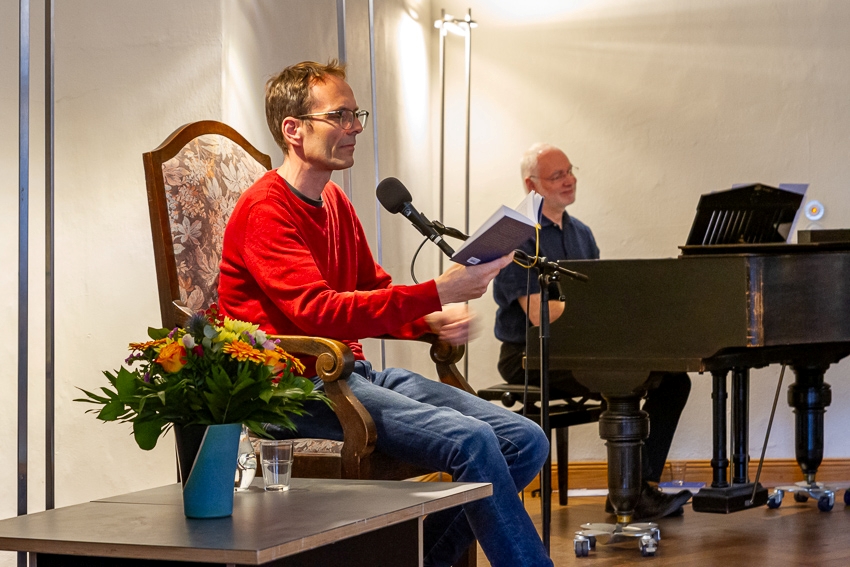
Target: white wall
[{"x": 658, "y": 102}]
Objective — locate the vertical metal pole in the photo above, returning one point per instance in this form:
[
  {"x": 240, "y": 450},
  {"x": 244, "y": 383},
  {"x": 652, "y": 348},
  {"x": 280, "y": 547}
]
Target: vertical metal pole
[
  {"x": 468, "y": 57},
  {"x": 546, "y": 472},
  {"x": 374, "y": 81},
  {"x": 23, "y": 252},
  {"x": 442, "y": 126},
  {"x": 49, "y": 345},
  {"x": 343, "y": 58}
]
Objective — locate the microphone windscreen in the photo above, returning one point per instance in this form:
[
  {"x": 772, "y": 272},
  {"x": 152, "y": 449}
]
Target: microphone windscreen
[{"x": 393, "y": 194}]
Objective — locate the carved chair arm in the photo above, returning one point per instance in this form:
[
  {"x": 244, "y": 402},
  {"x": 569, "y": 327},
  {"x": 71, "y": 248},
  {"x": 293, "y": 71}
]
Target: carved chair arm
[{"x": 334, "y": 364}]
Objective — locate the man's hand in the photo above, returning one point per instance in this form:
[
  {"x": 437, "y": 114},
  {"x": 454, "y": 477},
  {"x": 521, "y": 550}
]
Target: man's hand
[
  {"x": 462, "y": 283},
  {"x": 453, "y": 324}
]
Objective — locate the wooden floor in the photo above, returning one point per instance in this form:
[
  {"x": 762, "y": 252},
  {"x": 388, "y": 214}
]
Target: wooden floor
[{"x": 794, "y": 534}]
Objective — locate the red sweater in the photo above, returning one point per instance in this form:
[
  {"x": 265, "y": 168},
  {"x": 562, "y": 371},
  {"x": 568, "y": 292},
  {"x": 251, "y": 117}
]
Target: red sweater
[{"x": 297, "y": 269}]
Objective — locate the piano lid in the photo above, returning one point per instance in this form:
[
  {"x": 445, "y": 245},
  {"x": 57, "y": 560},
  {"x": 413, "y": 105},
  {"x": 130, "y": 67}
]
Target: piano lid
[{"x": 753, "y": 214}]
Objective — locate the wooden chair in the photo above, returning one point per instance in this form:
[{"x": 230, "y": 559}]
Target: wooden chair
[
  {"x": 562, "y": 414},
  {"x": 194, "y": 179}
]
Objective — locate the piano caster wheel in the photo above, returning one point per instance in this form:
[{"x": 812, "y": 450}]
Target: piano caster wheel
[
  {"x": 592, "y": 540},
  {"x": 648, "y": 545},
  {"x": 800, "y": 497},
  {"x": 847, "y": 496},
  {"x": 774, "y": 501},
  {"x": 825, "y": 503},
  {"x": 582, "y": 546}
]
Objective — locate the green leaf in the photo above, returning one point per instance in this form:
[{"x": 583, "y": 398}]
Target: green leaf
[
  {"x": 111, "y": 411},
  {"x": 126, "y": 383},
  {"x": 147, "y": 433},
  {"x": 93, "y": 398},
  {"x": 157, "y": 334}
]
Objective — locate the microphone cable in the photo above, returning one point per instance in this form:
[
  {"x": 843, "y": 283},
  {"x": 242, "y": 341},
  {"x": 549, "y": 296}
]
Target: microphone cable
[{"x": 413, "y": 261}]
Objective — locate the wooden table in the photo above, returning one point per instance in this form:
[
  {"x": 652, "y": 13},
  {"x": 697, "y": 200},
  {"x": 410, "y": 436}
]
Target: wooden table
[{"x": 318, "y": 522}]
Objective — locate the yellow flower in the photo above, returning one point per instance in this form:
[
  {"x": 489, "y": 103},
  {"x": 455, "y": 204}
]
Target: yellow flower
[
  {"x": 233, "y": 330},
  {"x": 243, "y": 351},
  {"x": 172, "y": 357}
]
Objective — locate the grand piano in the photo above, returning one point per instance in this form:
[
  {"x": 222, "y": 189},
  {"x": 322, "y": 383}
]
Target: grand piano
[{"x": 737, "y": 298}]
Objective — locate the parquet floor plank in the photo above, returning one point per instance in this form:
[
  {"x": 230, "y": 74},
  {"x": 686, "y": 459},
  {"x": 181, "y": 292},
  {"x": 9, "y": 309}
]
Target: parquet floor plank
[{"x": 795, "y": 534}]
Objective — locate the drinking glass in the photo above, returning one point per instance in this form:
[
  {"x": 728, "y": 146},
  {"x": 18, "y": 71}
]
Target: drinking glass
[{"x": 276, "y": 457}]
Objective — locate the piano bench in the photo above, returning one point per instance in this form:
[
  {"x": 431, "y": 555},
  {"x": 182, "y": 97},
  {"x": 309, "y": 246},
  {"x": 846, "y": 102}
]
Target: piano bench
[{"x": 562, "y": 414}]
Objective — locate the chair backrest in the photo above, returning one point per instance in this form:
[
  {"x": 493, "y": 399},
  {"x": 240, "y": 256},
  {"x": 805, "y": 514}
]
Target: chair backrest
[{"x": 194, "y": 179}]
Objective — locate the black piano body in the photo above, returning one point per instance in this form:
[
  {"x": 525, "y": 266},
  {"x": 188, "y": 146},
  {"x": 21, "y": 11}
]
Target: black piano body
[{"x": 716, "y": 309}]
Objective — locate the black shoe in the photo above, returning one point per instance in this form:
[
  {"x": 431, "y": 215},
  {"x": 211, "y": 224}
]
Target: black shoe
[{"x": 654, "y": 504}]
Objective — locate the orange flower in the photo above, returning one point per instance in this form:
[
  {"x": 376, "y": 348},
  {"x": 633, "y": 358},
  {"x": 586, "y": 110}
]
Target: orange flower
[
  {"x": 297, "y": 367},
  {"x": 146, "y": 345},
  {"x": 243, "y": 351},
  {"x": 272, "y": 357},
  {"x": 172, "y": 357}
]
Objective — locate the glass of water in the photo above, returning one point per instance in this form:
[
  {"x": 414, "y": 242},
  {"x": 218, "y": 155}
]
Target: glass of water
[{"x": 276, "y": 457}]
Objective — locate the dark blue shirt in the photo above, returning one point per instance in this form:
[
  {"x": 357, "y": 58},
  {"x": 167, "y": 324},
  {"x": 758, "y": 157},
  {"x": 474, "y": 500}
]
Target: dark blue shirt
[{"x": 574, "y": 242}]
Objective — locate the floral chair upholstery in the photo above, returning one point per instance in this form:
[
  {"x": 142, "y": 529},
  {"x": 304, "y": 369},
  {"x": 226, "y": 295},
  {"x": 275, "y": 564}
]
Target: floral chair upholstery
[{"x": 202, "y": 184}]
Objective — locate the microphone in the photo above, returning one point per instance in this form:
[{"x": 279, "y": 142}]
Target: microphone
[{"x": 395, "y": 198}]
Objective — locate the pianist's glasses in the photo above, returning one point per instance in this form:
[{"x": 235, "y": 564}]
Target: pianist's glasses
[
  {"x": 558, "y": 175},
  {"x": 345, "y": 117}
]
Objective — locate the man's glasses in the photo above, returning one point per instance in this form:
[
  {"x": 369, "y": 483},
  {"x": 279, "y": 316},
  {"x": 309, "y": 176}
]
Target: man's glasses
[
  {"x": 558, "y": 175},
  {"x": 345, "y": 117}
]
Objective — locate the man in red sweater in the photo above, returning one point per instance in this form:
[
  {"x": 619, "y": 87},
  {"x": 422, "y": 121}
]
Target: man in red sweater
[{"x": 296, "y": 261}]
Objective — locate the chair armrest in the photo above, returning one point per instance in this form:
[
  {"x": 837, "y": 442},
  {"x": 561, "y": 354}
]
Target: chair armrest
[
  {"x": 445, "y": 357},
  {"x": 334, "y": 364}
]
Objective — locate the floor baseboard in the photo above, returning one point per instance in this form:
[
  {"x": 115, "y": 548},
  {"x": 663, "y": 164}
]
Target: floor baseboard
[{"x": 594, "y": 474}]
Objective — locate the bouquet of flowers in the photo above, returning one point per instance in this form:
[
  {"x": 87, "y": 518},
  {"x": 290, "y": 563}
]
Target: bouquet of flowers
[{"x": 217, "y": 370}]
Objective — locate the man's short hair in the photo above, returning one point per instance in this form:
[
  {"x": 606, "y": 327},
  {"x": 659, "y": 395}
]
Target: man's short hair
[
  {"x": 288, "y": 93},
  {"x": 528, "y": 163}
]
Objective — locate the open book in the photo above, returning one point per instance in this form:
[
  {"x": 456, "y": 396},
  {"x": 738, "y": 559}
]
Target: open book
[{"x": 502, "y": 233}]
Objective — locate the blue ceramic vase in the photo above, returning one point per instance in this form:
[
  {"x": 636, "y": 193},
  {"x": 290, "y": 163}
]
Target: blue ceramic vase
[{"x": 207, "y": 456}]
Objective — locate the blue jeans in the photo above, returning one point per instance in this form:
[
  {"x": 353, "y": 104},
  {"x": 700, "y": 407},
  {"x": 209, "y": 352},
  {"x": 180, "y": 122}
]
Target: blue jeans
[{"x": 442, "y": 428}]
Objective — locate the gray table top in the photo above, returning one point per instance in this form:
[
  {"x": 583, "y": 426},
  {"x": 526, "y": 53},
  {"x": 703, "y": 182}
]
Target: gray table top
[{"x": 264, "y": 526}]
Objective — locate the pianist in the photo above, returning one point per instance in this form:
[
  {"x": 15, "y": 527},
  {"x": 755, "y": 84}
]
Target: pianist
[{"x": 547, "y": 170}]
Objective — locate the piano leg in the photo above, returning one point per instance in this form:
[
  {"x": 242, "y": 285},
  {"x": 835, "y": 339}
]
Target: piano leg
[
  {"x": 740, "y": 425},
  {"x": 624, "y": 427},
  {"x": 722, "y": 497},
  {"x": 809, "y": 396},
  {"x": 719, "y": 460}
]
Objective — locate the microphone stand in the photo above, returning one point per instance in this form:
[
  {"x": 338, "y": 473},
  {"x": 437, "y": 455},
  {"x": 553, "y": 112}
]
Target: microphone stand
[{"x": 549, "y": 272}]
